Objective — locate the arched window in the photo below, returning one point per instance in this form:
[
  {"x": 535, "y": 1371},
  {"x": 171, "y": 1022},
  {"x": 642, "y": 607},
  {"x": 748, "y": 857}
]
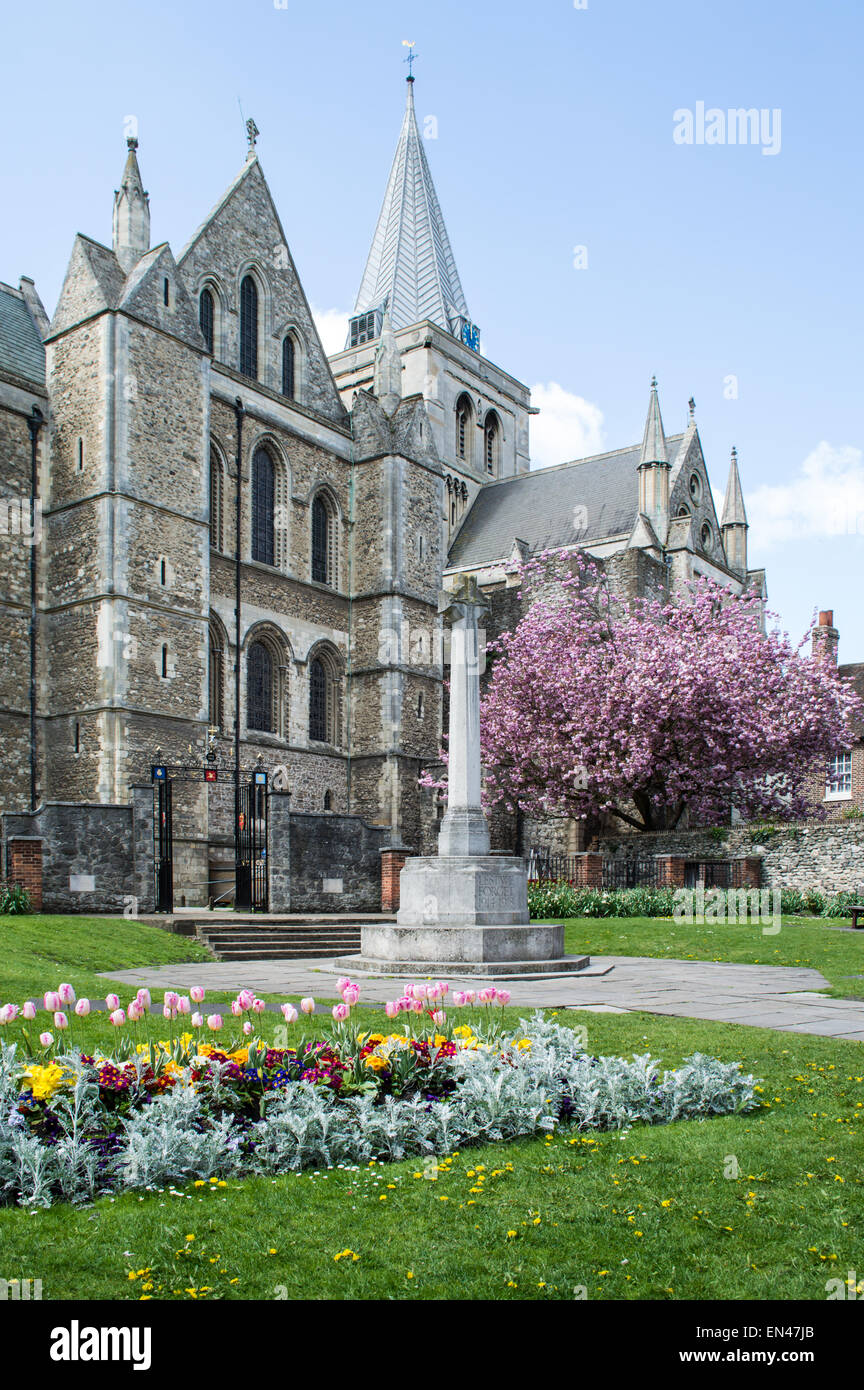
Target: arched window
[
  {"x": 260, "y": 689},
  {"x": 288, "y": 362},
  {"x": 263, "y": 508},
  {"x": 216, "y": 676},
  {"x": 249, "y": 327},
  {"x": 325, "y": 700},
  {"x": 206, "y": 317},
  {"x": 325, "y": 541},
  {"x": 328, "y": 801},
  {"x": 491, "y": 440},
  {"x": 464, "y": 421},
  {"x": 217, "y": 500}
]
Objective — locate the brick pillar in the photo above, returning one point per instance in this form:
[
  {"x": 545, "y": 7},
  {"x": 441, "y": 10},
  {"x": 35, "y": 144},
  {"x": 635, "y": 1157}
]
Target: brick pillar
[
  {"x": 25, "y": 867},
  {"x": 747, "y": 872},
  {"x": 392, "y": 863},
  {"x": 670, "y": 871},
  {"x": 589, "y": 870}
]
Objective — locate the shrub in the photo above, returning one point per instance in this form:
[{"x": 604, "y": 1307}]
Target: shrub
[
  {"x": 14, "y": 899},
  {"x": 564, "y": 900}
]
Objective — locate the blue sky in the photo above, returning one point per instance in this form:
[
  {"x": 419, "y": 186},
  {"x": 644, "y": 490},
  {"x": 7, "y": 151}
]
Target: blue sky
[{"x": 554, "y": 131}]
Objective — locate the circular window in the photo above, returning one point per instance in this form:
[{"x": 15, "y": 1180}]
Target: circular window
[
  {"x": 695, "y": 486},
  {"x": 707, "y": 537}
]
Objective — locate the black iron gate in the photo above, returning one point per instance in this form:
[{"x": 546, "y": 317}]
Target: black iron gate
[
  {"x": 250, "y": 844},
  {"x": 163, "y": 845}
]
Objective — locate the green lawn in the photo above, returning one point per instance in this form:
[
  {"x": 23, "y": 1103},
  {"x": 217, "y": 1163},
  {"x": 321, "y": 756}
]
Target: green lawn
[
  {"x": 37, "y": 952},
  {"x": 765, "y": 1206},
  {"x": 809, "y": 941}
]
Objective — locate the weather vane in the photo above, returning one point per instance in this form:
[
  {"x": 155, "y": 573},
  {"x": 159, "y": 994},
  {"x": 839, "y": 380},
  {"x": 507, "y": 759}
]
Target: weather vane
[
  {"x": 692, "y": 406},
  {"x": 409, "y": 44}
]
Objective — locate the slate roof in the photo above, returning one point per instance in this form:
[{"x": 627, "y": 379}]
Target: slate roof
[
  {"x": 411, "y": 264},
  {"x": 21, "y": 350},
  {"x": 540, "y": 507}
]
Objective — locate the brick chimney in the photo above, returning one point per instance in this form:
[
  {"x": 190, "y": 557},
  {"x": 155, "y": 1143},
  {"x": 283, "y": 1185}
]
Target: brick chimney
[{"x": 826, "y": 637}]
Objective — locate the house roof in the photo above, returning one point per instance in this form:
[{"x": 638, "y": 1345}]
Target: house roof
[
  {"x": 577, "y": 503},
  {"x": 21, "y": 350}
]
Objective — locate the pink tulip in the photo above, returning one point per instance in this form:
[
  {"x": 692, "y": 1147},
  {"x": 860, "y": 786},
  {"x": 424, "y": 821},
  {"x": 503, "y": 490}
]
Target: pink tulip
[
  {"x": 235, "y": 1008},
  {"x": 307, "y": 1006},
  {"x": 350, "y": 994},
  {"x": 112, "y": 1001},
  {"x": 391, "y": 1008},
  {"x": 183, "y": 1005},
  {"x": 171, "y": 999},
  {"x": 503, "y": 997},
  {"x": 258, "y": 1006},
  {"x": 11, "y": 1011},
  {"x": 29, "y": 1010},
  {"x": 144, "y": 999},
  {"x": 417, "y": 1006},
  {"x": 67, "y": 994},
  {"x": 167, "y": 1012},
  {"x": 51, "y": 1001},
  {"x": 4, "y": 1014},
  {"x": 289, "y": 1013},
  {"x": 46, "y": 1039},
  {"x": 439, "y": 1018},
  {"x": 82, "y": 1008},
  {"x": 340, "y": 1012},
  {"x": 470, "y": 996},
  {"x": 60, "y": 1021},
  {"x": 458, "y": 998},
  {"x": 248, "y": 1029},
  {"x": 197, "y": 994},
  {"x": 245, "y": 999},
  {"x": 117, "y": 1017},
  {"x": 214, "y": 1022},
  {"x": 134, "y": 1013},
  {"x": 486, "y": 996},
  {"x": 342, "y": 982},
  {"x": 197, "y": 1020}
]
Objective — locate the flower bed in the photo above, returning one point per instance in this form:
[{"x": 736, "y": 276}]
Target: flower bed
[{"x": 180, "y": 1109}]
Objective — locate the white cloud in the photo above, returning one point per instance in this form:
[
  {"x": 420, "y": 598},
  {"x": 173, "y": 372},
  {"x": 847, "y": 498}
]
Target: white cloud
[
  {"x": 824, "y": 498},
  {"x": 332, "y": 325},
  {"x": 568, "y": 426}
]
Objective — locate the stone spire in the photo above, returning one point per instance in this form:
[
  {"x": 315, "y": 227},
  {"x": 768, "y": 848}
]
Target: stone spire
[
  {"x": 654, "y": 470},
  {"x": 653, "y": 440},
  {"x": 411, "y": 270},
  {"x": 131, "y": 213},
  {"x": 388, "y": 368},
  {"x": 733, "y": 522},
  {"x": 733, "y": 503}
]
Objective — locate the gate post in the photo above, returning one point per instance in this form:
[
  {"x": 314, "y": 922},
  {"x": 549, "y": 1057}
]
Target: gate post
[
  {"x": 143, "y": 862},
  {"x": 279, "y": 851}
]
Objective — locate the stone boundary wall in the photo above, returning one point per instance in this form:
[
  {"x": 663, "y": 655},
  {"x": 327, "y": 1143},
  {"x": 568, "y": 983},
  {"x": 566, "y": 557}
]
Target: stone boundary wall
[
  {"x": 827, "y": 856},
  {"x": 88, "y": 862},
  {"x": 323, "y": 862}
]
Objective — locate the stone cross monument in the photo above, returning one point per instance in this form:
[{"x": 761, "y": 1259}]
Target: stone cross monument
[{"x": 464, "y": 910}]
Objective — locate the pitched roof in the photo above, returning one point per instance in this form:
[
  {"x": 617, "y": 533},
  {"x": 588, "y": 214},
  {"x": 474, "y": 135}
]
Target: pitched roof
[
  {"x": 576, "y": 503},
  {"x": 411, "y": 264},
  {"x": 21, "y": 350}
]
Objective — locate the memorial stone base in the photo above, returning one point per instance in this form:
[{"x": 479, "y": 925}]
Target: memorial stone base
[{"x": 464, "y": 915}]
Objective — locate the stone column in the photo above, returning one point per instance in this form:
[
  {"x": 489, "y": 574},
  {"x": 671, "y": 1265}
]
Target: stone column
[{"x": 464, "y": 829}]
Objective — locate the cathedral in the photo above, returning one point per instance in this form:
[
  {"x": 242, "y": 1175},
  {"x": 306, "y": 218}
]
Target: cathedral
[{"x": 223, "y": 551}]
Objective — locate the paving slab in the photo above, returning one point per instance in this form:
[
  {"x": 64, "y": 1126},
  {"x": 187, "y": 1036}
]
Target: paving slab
[{"x": 784, "y": 998}]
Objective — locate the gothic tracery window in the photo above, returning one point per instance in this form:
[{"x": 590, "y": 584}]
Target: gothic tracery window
[
  {"x": 288, "y": 367},
  {"x": 260, "y": 689},
  {"x": 263, "y": 508},
  {"x": 249, "y": 327},
  {"x": 216, "y": 674},
  {"x": 325, "y": 553},
  {"x": 325, "y": 699},
  {"x": 464, "y": 417},
  {"x": 217, "y": 500},
  {"x": 491, "y": 437},
  {"x": 207, "y": 317}
]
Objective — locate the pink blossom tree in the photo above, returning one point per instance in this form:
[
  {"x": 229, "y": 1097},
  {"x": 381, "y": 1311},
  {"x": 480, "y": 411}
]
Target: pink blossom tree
[{"x": 645, "y": 710}]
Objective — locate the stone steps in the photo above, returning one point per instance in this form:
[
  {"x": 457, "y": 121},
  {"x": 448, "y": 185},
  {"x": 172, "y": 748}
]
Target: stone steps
[{"x": 282, "y": 938}]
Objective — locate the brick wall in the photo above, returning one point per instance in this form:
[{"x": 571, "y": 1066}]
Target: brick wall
[{"x": 25, "y": 867}]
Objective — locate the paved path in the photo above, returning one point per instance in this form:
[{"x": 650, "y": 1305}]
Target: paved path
[{"x": 765, "y": 996}]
